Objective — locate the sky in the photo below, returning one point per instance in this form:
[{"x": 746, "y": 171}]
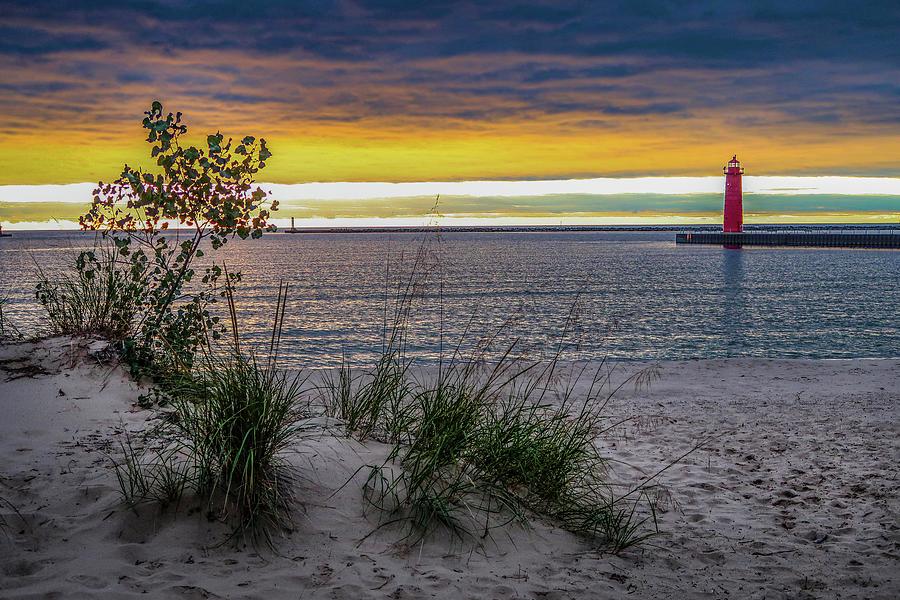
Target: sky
[{"x": 443, "y": 92}]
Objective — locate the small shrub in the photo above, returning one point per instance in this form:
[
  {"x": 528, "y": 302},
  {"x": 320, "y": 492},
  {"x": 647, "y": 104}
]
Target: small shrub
[{"x": 208, "y": 191}]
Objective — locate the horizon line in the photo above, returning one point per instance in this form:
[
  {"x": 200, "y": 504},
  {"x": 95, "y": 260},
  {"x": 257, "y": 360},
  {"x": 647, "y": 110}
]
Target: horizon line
[{"x": 437, "y": 222}]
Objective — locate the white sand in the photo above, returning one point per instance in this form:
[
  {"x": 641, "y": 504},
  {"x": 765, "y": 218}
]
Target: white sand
[{"x": 797, "y": 497}]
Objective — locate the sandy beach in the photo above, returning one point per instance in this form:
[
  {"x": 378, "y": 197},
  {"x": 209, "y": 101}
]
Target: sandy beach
[{"x": 794, "y": 495}]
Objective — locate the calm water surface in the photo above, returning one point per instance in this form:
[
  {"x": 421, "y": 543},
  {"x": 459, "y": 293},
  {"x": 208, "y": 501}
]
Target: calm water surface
[{"x": 630, "y": 295}]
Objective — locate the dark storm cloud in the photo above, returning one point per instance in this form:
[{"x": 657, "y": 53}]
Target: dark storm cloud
[
  {"x": 34, "y": 41},
  {"x": 726, "y": 34},
  {"x": 810, "y": 61}
]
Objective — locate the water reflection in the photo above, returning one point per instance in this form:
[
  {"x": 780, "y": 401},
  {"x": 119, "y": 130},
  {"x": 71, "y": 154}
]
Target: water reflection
[{"x": 735, "y": 319}]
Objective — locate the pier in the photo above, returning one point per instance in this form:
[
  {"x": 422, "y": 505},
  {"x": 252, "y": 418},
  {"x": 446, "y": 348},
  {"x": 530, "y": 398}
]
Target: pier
[{"x": 812, "y": 239}]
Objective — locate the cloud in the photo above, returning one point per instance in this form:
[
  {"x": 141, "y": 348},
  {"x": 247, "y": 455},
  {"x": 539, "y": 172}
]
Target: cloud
[{"x": 634, "y": 77}]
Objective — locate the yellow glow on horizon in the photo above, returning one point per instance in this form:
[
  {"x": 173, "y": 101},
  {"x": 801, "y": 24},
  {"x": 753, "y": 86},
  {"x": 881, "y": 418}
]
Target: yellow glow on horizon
[{"x": 379, "y": 152}]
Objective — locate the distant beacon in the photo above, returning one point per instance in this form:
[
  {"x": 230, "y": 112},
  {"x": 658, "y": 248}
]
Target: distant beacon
[{"x": 734, "y": 204}]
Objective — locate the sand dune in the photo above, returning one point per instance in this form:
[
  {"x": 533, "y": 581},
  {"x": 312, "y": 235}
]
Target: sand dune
[{"x": 795, "y": 495}]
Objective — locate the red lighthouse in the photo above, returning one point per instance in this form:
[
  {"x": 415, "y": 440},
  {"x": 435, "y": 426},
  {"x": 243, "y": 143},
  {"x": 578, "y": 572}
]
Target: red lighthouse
[{"x": 734, "y": 203}]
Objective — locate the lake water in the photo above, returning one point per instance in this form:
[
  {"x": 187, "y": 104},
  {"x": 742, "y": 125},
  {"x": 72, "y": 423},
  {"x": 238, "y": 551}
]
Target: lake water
[{"x": 624, "y": 295}]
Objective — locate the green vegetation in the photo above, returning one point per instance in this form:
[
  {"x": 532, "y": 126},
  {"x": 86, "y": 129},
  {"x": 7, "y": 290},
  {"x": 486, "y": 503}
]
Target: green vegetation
[
  {"x": 480, "y": 446},
  {"x": 102, "y": 296},
  {"x": 237, "y": 419},
  {"x": 209, "y": 191},
  {"x": 7, "y": 328},
  {"x": 474, "y": 445},
  {"x": 231, "y": 422},
  {"x": 375, "y": 404},
  {"x": 231, "y": 417},
  {"x": 224, "y": 442}
]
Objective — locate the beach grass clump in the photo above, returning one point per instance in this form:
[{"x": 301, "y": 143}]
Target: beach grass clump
[
  {"x": 481, "y": 442},
  {"x": 542, "y": 447},
  {"x": 224, "y": 438},
  {"x": 437, "y": 485},
  {"x": 226, "y": 433},
  {"x": 160, "y": 475},
  {"x": 101, "y": 296},
  {"x": 373, "y": 404},
  {"x": 237, "y": 420}
]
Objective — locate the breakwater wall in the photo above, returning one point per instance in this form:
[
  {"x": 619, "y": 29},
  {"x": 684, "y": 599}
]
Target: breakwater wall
[{"x": 815, "y": 239}]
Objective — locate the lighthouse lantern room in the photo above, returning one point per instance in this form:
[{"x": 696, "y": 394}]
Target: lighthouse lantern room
[{"x": 733, "y": 221}]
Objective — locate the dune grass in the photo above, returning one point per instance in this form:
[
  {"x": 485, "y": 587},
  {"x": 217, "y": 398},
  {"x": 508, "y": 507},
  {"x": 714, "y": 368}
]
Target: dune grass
[
  {"x": 475, "y": 444},
  {"x": 371, "y": 404},
  {"x": 374, "y": 402},
  {"x": 7, "y": 327},
  {"x": 488, "y": 446},
  {"x": 224, "y": 439},
  {"x": 99, "y": 297},
  {"x": 236, "y": 421}
]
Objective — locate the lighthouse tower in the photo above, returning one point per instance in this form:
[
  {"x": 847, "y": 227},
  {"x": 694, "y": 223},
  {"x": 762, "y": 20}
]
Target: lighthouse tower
[{"x": 734, "y": 203}]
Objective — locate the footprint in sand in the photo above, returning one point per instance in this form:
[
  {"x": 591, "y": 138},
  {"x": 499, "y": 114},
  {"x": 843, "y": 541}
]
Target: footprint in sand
[
  {"x": 92, "y": 583},
  {"x": 21, "y": 568}
]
